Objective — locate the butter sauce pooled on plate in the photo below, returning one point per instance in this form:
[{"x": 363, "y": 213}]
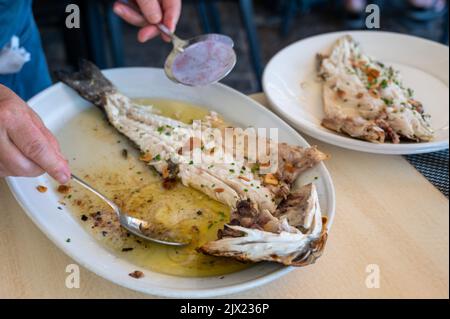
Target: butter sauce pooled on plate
[{"x": 137, "y": 189}]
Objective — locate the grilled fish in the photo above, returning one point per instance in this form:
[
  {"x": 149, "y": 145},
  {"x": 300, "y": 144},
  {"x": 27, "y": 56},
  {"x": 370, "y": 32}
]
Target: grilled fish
[
  {"x": 270, "y": 221},
  {"x": 367, "y": 100}
]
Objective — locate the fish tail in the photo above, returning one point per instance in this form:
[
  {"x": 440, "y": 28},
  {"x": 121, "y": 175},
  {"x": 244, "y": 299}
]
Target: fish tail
[{"x": 89, "y": 82}]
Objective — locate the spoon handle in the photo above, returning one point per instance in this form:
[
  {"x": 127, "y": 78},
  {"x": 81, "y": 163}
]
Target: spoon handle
[
  {"x": 178, "y": 43},
  {"x": 96, "y": 192}
]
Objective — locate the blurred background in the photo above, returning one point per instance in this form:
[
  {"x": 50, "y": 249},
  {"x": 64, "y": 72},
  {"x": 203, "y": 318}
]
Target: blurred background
[{"x": 260, "y": 28}]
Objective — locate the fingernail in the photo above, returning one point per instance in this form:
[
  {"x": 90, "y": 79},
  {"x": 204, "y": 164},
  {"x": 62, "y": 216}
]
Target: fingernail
[
  {"x": 141, "y": 39},
  {"x": 63, "y": 178},
  {"x": 118, "y": 10},
  {"x": 154, "y": 18},
  {"x": 146, "y": 38}
]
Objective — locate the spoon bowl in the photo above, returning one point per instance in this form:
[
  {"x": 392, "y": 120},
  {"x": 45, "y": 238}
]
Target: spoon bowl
[{"x": 199, "y": 61}]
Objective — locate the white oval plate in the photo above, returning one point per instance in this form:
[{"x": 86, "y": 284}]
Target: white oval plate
[
  {"x": 59, "y": 104},
  {"x": 290, "y": 83}
]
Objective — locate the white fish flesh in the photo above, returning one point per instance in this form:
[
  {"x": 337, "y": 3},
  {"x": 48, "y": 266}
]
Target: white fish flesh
[{"x": 366, "y": 99}]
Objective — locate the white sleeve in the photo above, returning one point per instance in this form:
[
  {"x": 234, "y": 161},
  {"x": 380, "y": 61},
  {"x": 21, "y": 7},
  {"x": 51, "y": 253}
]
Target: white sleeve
[{"x": 13, "y": 57}]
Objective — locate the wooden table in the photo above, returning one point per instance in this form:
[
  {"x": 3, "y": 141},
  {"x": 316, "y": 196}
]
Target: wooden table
[{"x": 388, "y": 215}]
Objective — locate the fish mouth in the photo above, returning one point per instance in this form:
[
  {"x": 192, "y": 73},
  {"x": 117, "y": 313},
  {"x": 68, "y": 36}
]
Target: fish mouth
[{"x": 270, "y": 219}]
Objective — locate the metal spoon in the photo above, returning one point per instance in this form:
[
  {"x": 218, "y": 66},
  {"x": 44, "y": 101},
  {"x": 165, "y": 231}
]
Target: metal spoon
[
  {"x": 199, "y": 61},
  {"x": 135, "y": 226}
]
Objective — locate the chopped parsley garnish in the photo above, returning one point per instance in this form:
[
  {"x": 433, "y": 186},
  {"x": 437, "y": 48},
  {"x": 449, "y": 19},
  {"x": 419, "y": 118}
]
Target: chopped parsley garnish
[
  {"x": 349, "y": 71},
  {"x": 160, "y": 129},
  {"x": 157, "y": 157},
  {"x": 391, "y": 73},
  {"x": 255, "y": 168},
  {"x": 384, "y": 84},
  {"x": 387, "y": 101},
  {"x": 231, "y": 170}
]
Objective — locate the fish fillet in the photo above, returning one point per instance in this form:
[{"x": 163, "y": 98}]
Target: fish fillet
[
  {"x": 270, "y": 221},
  {"x": 367, "y": 100}
]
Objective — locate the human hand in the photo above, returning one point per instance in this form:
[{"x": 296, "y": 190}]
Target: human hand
[
  {"x": 27, "y": 147},
  {"x": 147, "y": 13}
]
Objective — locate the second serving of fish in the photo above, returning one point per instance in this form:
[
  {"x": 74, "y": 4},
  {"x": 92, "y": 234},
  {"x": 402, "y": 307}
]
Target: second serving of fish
[{"x": 366, "y": 99}]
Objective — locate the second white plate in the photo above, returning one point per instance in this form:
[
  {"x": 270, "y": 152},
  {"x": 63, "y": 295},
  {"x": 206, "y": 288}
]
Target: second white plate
[{"x": 291, "y": 85}]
